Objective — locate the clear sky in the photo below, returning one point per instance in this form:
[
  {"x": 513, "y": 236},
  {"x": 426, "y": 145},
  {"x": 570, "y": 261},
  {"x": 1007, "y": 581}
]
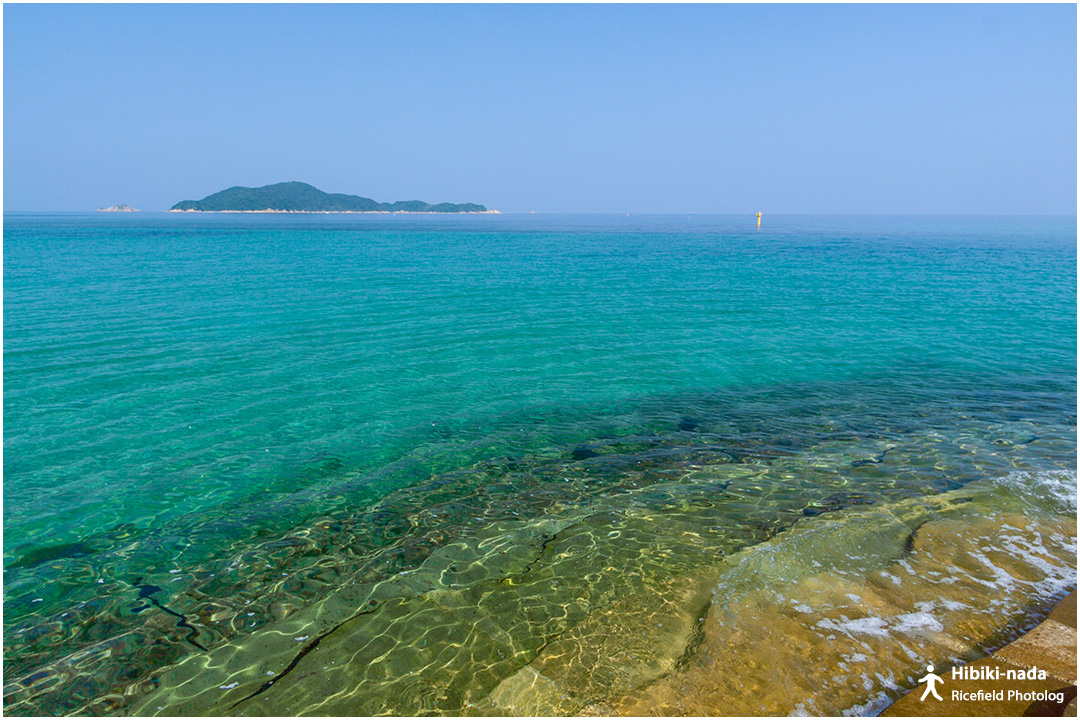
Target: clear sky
[{"x": 658, "y": 108}]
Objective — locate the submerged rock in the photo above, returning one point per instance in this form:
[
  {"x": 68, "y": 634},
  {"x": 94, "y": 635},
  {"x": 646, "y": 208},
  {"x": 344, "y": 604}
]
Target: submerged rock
[{"x": 843, "y": 613}]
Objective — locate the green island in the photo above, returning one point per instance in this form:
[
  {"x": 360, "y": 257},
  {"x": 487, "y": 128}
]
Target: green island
[{"x": 300, "y": 197}]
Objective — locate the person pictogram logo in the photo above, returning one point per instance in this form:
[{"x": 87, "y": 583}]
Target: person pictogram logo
[{"x": 931, "y": 680}]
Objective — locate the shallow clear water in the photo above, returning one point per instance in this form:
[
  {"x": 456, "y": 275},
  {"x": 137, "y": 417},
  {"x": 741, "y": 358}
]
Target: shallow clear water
[{"x": 478, "y": 436}]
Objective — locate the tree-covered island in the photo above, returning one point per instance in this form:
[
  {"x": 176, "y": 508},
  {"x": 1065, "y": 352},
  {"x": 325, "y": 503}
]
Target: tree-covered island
[{"x": 301, "y": 197}]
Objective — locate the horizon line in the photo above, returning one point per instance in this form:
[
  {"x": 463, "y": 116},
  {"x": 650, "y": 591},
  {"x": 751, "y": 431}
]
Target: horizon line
[{"x": 531, "y": 212}]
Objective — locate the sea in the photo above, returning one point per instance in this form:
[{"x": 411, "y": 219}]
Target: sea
[{"x": 528, "y": 464}]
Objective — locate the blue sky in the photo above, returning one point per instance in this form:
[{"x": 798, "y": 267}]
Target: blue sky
[{"x": 658, "y": 108}]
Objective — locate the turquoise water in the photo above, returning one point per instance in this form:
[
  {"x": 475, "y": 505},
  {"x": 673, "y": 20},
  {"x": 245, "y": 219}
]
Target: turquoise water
[{"x": 333, "y": 398}]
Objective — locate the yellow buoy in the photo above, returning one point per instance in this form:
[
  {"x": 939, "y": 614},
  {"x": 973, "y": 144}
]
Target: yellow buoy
[{"x": 759, "y": 219}]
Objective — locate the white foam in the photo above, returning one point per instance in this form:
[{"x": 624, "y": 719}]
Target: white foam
[
  {"x": 1002, "y": 580},
  {"x": 1057, "y": 486},
  {"x": 917, "y": 622},
  {"x": 864, "y": 626},
  {"x": 895, "y": 580},
  {"x": 871, "y": 708}
]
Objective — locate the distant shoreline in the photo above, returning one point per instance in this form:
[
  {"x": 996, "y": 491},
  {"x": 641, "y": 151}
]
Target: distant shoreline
[{"x": 344, "y": 212}]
